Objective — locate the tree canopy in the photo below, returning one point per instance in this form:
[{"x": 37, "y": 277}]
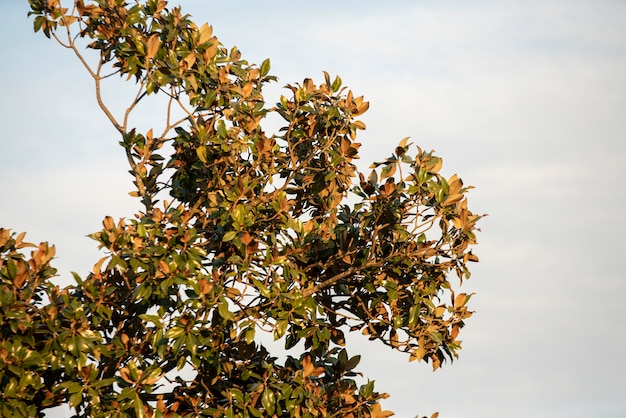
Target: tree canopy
[{"x": 241, "y": 233}]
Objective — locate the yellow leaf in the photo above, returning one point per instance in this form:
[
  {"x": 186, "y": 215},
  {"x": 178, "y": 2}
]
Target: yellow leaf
[
  {"x": 98, "y": 265},
  {"x": 437, "y": 166},
  {"x": 152, "y": 46},
  {"x": 378, "y": 413},
  {"x": 67, "y": 20},
  {"x": 418, "y": 354},
  {"x": 454, "y": 184},
  {"x": 206, "y": 31},
  {"x": 246, "y": 90},
  {"x": 19, "y": 239},
  {"x": 164, "y": 266},
  {"x": 190, "y": 59},
  {"x": 345, "y": 145},
  {"x": 5, "y": 235},
  {"x": 470, "y": 257},
  {"x": 452, "y": 199},
  {"x": 361, "y": 106},
  {"x": 460, "y": 300},
  {"x": 108, "y": 223},
  {"x": 201, "y": 152},
  {"x": 348, "y": 399},
  {"x": 359, "y": 124}
]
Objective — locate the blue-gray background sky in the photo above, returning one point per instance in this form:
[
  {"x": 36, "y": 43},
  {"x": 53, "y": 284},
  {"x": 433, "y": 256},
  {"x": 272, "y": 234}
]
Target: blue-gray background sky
[{"x": 526, "y": 100}]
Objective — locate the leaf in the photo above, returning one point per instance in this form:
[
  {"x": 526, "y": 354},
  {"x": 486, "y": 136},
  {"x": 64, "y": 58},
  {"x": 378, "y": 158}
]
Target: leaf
[
  {"x": 471, "y": 257},
  {"x": 336, "y": 84},
  {"x": 223, "y": 309},
  {"x": 206, "y": 32},
  {"x": 165, "y": 268},
  {"x": 246, "y": 90},
  {"x": 373, "y": 178},
  {"x": 201, "y": 153},
  {"x": 460, "y": 300},
  {"x": 108, "y": 223},
  {"x": 437, "y": 165},
  {"x": 307, "y": 366},
  {"x": 265, "y": 67},
  {"x": 418, "y": 354},
  {"x": 268, "y": 400},
  {"x": 353, "y": 362},
  {"x": 361, "y": 106},
  {"x": 98, "y": 266},
  {"x": 125, "y": 375},
  {"x": 377, "y": 412},
  {"x": 76, "y": 399},
  {"x": 388, "y": 171},
  {"x": 229, "y": 236},
  {"x": 359, "y": 124},
  {"x": 67, "y": 20},
  {"x": 452, "y": 199},
  {"x": 190, "y": 61},
  {"x": 153, "y": 45}
]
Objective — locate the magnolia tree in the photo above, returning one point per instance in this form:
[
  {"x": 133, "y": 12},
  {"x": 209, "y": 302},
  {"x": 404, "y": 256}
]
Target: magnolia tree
[{"x": 241, "y": 233}]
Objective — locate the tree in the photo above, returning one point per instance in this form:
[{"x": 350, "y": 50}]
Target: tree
[{"x": 240, "y": 234}]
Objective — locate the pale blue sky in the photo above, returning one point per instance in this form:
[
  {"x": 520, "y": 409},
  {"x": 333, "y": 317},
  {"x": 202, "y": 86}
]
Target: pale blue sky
[{"x": 524, "y": 100}]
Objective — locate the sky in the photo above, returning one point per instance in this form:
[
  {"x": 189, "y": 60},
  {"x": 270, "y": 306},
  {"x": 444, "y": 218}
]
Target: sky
[{"x": 525, "y": 100}]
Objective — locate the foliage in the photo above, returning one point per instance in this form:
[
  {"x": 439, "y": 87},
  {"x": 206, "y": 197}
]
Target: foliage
[{"x": 259, "y": 238}]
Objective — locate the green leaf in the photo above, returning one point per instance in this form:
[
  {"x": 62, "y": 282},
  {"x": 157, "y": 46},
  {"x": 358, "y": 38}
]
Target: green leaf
[
  {"x": 224, "y": 310},
  {"x": 229, "y": 236},
  {"x": 336, "y": 84},
  {"x": 222, "y": 131},
  {"x": 265, "y": 67},
  {"x": 76, "y": 399},
  {"x": 263, "y": 290},
  {"x": 353, "y": 362},
  {"x": 268, "y": 400}
]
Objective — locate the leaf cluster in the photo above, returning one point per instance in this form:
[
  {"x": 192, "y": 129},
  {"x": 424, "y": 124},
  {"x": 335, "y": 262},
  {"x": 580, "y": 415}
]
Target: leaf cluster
[{"x": 257, "y": 236}]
